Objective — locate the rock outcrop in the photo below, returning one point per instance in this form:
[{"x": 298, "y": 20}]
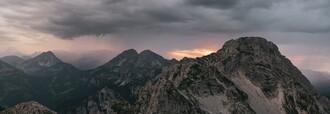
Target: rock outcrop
[{"x": 28, "y": 108}]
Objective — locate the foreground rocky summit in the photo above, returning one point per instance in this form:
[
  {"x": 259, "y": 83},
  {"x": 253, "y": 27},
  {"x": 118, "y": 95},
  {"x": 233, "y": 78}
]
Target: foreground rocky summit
[
  {"x": 248, "y": 75},
  {"x": 28, "y": 108}
]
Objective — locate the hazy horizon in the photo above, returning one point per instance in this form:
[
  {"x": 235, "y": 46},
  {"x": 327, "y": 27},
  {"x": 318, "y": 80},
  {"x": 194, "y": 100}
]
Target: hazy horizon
[{"x": 106, "y": 55}]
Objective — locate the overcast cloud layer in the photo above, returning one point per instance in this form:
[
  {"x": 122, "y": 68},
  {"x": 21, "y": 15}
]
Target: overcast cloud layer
[
  {"x": 68, "y": 19},
  {"x": 300, "y": 27}
]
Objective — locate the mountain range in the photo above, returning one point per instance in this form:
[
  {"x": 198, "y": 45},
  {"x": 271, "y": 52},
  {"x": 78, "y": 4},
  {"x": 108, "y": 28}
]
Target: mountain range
[
  {"x": 81, "y": 60},
  {"x": 247, "y": 75}
]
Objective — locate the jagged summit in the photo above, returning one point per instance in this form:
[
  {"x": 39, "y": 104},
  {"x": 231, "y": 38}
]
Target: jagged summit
[
  {"x": 41, "y": 62},
  {"x": 150, "y": 55},
  {"x": 47, "y": 56},
  {"x": 250, "y": 45},
  {"x": 132, "y": 58},
  {"x": 128, "y": 52},
  {"x": 134, "y": 53},
  {"x": 148, "y": 52}
]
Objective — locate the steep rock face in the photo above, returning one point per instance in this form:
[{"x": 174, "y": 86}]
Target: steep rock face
[
  {"x": 248, "y": 75},
  {"x": 28, "y": 108},
  {"x": 103, "y": 101}
]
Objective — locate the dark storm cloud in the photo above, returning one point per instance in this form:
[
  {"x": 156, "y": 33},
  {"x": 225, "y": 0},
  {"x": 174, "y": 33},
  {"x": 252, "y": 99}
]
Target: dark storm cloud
[
  {"x": 103, "y": 17},
  {"x": 75, "y": 24},
  {"x": 75, "y": 18}
]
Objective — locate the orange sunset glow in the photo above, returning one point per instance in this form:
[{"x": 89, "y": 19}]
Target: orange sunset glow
[{"x": 179, "y": 54}]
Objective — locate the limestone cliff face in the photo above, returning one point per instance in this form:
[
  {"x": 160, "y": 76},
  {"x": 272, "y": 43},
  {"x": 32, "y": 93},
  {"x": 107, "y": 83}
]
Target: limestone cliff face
[{"x": 248, "y": 75}]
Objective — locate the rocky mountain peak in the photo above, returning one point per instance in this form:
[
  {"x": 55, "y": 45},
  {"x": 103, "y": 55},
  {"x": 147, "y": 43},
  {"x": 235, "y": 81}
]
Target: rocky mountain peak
[
  {"x": 31, "y": 107},
  {"x": 45, "y": 59},
  {"x": 42, "y": 61},
  {"x": 151, "y": 58},
  {"x": 248, "y": 75},
  {"x": 47, "y": 55},
  {"x": 128, "y": 53},
  {"x": 148, "y": 53},
  {"x": 255, "y": 46},
  {"x": 131, "y": 58}
]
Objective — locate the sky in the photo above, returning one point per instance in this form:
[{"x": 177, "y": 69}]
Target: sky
[{"x": 172, "y": 28}]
